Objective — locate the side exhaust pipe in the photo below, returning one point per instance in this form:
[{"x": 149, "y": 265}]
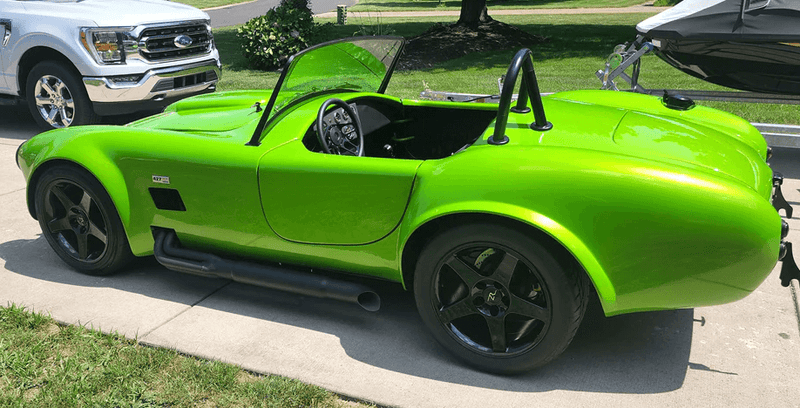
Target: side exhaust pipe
[{"x": 172, "y": 256}]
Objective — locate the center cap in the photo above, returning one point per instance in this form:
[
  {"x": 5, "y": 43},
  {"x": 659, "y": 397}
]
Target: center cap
[
  {"x": 79, "y": 221},
  {"x": 493, "y": 296}
]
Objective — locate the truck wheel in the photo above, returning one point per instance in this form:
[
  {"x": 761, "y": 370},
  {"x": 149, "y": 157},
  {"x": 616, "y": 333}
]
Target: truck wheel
[
  {"x": 498, "y": 299},
  {"x": 80, "y": 222},
  {"x": 56, "y": 97}
]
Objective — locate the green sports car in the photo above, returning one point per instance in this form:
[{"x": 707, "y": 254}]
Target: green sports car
[{"x": 504, "y": 219}]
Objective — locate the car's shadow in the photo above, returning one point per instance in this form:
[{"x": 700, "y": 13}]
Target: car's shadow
[
  {"x": 638, "y": 353},
  {"x": 16, "y": 122}
]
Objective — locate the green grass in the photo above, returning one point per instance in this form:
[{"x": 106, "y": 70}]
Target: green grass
[
  {"x": 43, "y": 364},
  {"x": 201, "y": 4},
  {"x": 428, "y": 5},
  {"x": 577, "y": 47}
]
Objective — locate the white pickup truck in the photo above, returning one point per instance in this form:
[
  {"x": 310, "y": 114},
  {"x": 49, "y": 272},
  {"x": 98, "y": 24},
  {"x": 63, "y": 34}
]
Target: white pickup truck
[{"x": 75, "y": 60}]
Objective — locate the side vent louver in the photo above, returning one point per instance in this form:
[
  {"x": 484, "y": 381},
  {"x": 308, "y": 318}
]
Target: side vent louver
[{"x": 167, "y": 199}]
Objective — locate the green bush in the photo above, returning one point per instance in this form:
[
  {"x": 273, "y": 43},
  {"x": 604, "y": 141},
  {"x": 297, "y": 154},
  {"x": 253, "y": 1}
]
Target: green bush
[
  {"x": 663, "y": 3},
  {"x": 269, "y": 40}
]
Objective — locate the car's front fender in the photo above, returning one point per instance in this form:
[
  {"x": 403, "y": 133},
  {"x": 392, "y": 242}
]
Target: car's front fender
[{"x": 50, "y": 148}]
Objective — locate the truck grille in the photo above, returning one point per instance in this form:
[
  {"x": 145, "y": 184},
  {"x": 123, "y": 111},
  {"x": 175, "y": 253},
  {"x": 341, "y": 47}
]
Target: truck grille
[
  {"x": 162, "y": 43},
  {"x": 184, "y": 81}
]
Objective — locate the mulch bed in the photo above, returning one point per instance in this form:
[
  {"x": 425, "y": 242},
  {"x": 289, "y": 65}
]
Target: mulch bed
[{"x": 443, "y": 42}]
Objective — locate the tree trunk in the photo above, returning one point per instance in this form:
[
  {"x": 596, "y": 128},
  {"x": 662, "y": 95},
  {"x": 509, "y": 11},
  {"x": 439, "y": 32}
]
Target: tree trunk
[{"x": 473, "y": 13}]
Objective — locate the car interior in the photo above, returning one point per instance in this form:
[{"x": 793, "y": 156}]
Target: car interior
[{"x": 394, "y": 130}]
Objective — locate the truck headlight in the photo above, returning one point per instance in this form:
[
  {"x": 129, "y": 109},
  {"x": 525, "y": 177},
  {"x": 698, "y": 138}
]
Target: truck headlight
[{"x": 109, "y": 45}]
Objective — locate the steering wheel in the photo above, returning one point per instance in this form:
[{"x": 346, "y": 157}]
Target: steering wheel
[{"x": 339, "y": 132}]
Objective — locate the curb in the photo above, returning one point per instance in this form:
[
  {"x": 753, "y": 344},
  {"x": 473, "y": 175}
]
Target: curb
[
  {"x": 501, "y": 12},
  {"x": 228, "y": 5}
]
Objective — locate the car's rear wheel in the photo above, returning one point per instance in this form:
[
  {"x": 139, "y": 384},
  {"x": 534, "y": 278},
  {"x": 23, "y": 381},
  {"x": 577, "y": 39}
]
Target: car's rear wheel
[
  {"x": 498, "y": 299},
  {"x": 80, "y": 222},
  {"x": 56, "y": 97}
]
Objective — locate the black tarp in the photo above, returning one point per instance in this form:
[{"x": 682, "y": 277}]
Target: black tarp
[{"x": 727, "y": 20}]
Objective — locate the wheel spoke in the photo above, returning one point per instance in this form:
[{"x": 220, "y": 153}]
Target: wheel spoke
[
  {"x": 97, "y": 233},
  {"x": 65, "y": 120},
  {"x": 505, "y": 270},
  {"x": 457, "y": 310},
  {"x": 51, "y": 115},
  {"x": 41, "y": 101},
  {"x": 59, "y": 86},
  {"x": 525, "y": 308},
  {"x": 59, "y": 224},
  {"x": 83, "y": 246},
  {"x": 86, "y": 202},
  {"x": 464, "y": 271},
  {"x": 497, "y": 330},
  {"x": 47, "y": 88},
  {"x": 65, "y": 201},
  {"x": 350, "y": 150}
]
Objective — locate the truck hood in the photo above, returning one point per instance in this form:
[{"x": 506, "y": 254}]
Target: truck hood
[{"x": 117, "y": 13}]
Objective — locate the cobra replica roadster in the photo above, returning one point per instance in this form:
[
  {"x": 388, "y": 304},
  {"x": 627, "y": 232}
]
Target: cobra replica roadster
[{"x": 504, "y": 219}]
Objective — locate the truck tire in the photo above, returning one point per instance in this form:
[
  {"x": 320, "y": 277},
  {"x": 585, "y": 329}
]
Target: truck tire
[{"x": 56, "y": 97}]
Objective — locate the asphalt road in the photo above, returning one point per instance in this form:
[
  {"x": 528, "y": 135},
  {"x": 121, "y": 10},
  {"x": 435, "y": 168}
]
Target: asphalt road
[
  {"x": 742, "y": 354},
  {"x": 241, "y": 13}
]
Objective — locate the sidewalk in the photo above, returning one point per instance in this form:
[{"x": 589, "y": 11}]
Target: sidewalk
[
  {"x": 500, "y": 12},
  {"x": 243, "y": 12}
]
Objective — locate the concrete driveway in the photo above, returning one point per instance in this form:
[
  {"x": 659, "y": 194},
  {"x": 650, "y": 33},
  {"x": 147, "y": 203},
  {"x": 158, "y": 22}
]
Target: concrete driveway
[{"x": 741, "y": 354}]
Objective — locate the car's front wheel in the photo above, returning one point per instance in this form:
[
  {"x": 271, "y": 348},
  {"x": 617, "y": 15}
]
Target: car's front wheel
[
  {"x": 56, "y": 97},
  {"x": 498, "y": 299},
  {"x": 80, "y": 222}
]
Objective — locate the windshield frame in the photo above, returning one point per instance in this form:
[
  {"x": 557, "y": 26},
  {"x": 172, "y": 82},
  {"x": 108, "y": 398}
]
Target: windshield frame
[{"x": 266, "y": 119}]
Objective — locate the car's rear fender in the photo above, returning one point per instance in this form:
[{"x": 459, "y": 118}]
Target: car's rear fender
[
  {"x": 650, "y": 235},
  {"x": 496, "y": 212}
]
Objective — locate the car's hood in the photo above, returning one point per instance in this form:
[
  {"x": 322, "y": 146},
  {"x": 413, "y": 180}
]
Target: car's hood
[
  {"x": 210, "y": 113},
  {"x": 117, "y": 13},
  {"x": 641, "y": 126}
]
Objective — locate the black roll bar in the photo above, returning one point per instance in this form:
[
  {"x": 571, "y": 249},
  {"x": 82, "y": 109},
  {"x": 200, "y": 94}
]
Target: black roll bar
[{"x": 528, "y": 88}]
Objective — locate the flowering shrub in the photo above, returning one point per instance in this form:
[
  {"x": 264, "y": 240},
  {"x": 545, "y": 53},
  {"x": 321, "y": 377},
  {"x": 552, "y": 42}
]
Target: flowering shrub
[{"x": 269, "y": 40}]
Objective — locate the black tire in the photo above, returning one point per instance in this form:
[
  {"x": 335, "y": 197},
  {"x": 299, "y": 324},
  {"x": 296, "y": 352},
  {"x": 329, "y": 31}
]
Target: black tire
[
  {"x": 498, "y": 299},
  {"x": 53, "y": 88},
  {"x": 80, "y": 222}
]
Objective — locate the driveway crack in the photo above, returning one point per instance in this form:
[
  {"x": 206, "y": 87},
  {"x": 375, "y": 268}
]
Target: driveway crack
[
  {"x": 796, "y": 307},
  {"x": 12, "y": 192},
  {"x": 147, "y": 333}
]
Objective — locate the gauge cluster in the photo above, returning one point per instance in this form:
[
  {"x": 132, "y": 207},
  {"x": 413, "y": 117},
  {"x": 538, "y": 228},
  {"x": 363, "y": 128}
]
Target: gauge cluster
[{"x": 342, "y": 123}]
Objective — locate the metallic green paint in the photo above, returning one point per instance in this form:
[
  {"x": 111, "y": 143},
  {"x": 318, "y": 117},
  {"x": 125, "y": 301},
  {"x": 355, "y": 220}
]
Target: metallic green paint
[
  {"x": 662, "y": 208},
  {"x": 347, "y": 199}
]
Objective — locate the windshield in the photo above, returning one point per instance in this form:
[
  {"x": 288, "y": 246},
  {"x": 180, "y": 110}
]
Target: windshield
[
  {"x": 361, "y": 64},
  {"x": 357, "y": 64}
]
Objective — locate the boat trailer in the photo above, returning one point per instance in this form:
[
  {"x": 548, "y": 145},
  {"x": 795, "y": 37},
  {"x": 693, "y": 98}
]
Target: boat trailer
[{"x": 629, "y": 55}]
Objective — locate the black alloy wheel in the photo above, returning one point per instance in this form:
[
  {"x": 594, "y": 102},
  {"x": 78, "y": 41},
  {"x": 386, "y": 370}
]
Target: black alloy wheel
[
  {"x": 498, "y": 299},
  {"x": 80, "y": 222}
]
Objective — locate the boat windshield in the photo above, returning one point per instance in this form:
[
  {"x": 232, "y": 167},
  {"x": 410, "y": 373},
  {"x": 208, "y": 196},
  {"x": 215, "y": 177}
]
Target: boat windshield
[{"x": 356, "y": 64}]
